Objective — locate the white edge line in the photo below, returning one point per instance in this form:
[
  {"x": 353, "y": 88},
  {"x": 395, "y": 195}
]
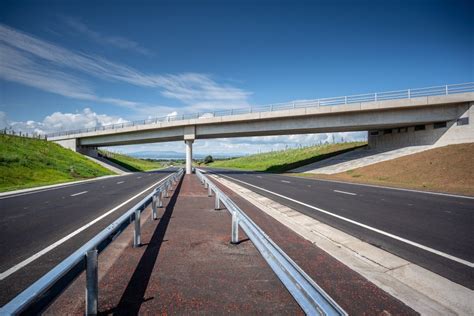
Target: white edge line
[
  {"x": 76, "y": 194},
  {"x": 25, "y": 262},
  {"x": 412, "y": 243},
  {"x": 384, "y": 187},
  {"x": 344, "y": 192}
]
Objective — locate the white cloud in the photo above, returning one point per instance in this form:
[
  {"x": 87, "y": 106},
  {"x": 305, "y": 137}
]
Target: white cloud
[
  {"x": 197, "y": 91},
  {"x": 59, "y": 121},
  {"x": 116, "y": 41}
]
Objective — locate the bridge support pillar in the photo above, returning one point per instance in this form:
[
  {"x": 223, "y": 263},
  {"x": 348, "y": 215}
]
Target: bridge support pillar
[{"x": 189, "y": 156}]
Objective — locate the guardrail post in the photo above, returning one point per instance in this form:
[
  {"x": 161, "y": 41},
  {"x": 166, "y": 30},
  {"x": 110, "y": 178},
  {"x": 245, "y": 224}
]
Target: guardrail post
[
  {"x": 345, "y": 100},
  {"x": 209, "y": 191},
  {"x": 136, "y": 234},
  {"x": 235, "y": 228},
  {"x": 446, "y": 89},
  {"x": 153, "y": 208},
  {"x": 375, "y": 96},
  {"x": 409, "y": 93},
  {"x": 206, "y": 185},
  {"x": 160, "y": 199},
  {"x": 217, "y": 205},
  {"x": 92, "y": 282}
]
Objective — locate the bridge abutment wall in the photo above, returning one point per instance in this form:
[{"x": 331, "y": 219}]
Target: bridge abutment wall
[{"x": 458, "y": 131}]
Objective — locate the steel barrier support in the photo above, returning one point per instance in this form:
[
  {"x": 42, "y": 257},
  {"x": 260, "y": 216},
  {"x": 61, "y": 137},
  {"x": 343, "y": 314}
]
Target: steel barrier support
[
  {"x": 235, "y": 228},
  {"x": 153, "y": 207},
  {"x": 217, "y": 205},
  {"x": 137, "y": 233},
  {"x": 92, "y": 282}
]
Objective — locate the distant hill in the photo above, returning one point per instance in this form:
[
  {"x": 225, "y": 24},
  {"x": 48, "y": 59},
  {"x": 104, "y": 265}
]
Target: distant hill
[
  {"x": 27, "y": 162},
  {"x": 284, "y": 160}
]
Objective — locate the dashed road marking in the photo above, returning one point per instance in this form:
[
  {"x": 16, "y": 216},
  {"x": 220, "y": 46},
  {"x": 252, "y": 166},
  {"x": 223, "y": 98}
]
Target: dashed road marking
[
  {"x": 120, "y": 182},
  {"x": 393, "y": 236},
  {"x": 344, "y": 192},
  {"x": 76, "y": 194},
  {"x": 284, "y": 181},
  {"x": 25, "y": 262}
]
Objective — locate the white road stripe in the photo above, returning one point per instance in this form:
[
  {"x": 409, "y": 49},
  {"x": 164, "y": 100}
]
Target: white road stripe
[
  {"x": 259, "y": 177},
  {"x": 412, "y": 243},
  {"x": 385, "y": 187},
  {"x": 139, "y": 177},
  {"x": 284, "y": 181},
  {"x": 120, "y": 182},
  {"x": 76, "y": 194},
  {"x": 25, "y": 262},
  {"x": 344, "y": 192}
]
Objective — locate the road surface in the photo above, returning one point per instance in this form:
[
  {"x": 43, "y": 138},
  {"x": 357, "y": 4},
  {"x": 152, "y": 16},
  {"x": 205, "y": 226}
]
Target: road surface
[
  {"x": 432, "y": 230},
  {"x": 40, "y": 228}
]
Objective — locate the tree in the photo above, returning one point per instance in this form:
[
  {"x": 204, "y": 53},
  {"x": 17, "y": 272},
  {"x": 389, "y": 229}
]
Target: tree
[{"x": 208, "y": 159}]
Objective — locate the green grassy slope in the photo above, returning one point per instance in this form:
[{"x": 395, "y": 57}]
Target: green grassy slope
[
  {"x": 26, "y": 163},
  {"x": 285, "y": 160},
  {"x": 133, "y": 164}
]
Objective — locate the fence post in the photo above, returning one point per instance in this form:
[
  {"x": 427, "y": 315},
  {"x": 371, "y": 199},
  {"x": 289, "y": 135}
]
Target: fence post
[
  {"x": 137, "y": 235},
  {"x": 235, "y": 229},
  {"x": 409, "y": 93},
  {"x": 446, "y": 89},
  {"x": 345, "y": 100},
  {"x": 375, "y": 96},
  {"x": 92, "y": 282}
]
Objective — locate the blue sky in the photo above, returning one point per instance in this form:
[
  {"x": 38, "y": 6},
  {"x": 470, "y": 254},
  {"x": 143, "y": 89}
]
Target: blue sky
[{"x": 66, "y": 64}]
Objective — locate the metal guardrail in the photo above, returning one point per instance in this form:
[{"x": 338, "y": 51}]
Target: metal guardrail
[
  {"x": 360, "y": 98},
  {"x": 40, "y": 294},
  {"x": 312, "y": 299}
]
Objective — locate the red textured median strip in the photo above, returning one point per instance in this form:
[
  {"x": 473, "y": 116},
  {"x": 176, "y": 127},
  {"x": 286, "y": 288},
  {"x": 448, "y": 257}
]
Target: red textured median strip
[{"x": 187, "y": 265}]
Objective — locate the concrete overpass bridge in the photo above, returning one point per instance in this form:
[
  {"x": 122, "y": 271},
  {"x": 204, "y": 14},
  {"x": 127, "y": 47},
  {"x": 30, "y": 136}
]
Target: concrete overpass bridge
[{"x": 426, "y": 116}]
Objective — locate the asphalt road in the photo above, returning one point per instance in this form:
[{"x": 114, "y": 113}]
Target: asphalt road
[
  {"x": 443, "y": 224},
  {"x": 31, "y": 222}
]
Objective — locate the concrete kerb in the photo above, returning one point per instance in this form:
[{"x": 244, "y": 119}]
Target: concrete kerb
[{"x": 421, "y": 289}]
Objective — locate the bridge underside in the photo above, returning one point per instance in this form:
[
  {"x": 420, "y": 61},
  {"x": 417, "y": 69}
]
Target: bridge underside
[{"x": 388, "y": 127}]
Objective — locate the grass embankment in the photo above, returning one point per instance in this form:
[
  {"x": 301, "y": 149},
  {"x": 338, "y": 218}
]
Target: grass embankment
[
  {"x": 133, "y": 164},
  {"x": 26, "y": 162},
  {"x": 284, "y": 160},
  {"x": 445, "y": 169}
]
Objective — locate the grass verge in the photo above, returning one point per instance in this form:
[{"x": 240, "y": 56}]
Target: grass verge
[
  {"x": 133, "y": 164},
  {"x": 281, "y": 161},
  {"x": 26, "y": 163}
]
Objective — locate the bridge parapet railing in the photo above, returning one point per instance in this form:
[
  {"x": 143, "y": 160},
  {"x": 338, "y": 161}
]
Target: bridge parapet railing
[
  {"x": 360, "y": 98},
  {"x": 39, "y": 295},
  {"x": 311, "y": 298}
]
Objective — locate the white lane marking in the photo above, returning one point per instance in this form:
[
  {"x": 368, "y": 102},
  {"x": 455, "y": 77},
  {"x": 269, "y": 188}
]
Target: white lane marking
[
  {"x": 344, "y": 192},
  {"x": 284, "y": 181},
  {"x": 388, "y": 188},
  {"x": 25, "y": 262},
  {"x": 412, "y": 243},
  {"x": 139, "y": 177},
  {"x": 76, "y": 194},
  {"x": 120, "y": 182},
  {"x": 259, "y": 177}
]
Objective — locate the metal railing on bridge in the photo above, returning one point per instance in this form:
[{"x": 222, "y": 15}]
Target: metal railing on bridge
[{"x": 359, "y": 98}]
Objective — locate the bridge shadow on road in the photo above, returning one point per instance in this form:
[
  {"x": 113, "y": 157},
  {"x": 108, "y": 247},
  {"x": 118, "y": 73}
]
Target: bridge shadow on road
[{"x": 133, "y": 296}]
